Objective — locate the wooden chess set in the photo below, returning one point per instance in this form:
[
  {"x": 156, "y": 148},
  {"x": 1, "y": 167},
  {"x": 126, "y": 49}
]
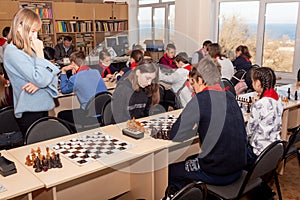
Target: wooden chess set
[
  {"x": 43, "y": 162},
  {"x": 158, "y": 128}
]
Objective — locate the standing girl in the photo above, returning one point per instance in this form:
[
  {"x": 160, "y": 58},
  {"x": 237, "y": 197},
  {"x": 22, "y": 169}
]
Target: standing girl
[
  {"x": 33, "y": 78},
  {"x": 264, "y": 125}
]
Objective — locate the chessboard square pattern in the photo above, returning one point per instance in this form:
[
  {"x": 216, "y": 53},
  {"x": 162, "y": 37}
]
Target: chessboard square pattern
[{"x": 90, "y": 147}]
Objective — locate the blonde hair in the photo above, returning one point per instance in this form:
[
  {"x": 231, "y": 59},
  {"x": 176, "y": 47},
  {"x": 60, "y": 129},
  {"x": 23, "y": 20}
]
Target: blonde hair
[{"x": 27, "y": 19}]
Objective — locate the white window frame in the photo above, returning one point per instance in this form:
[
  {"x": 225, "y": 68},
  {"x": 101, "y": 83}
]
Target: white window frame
[
  {"x": 260, "y": 32},
  {"x": 161, "y": 4}
]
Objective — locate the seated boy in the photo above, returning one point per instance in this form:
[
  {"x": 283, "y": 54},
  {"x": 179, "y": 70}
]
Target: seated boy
[
  {"x": 85, "y": 82},
  {"x": 220, "y": 128}
]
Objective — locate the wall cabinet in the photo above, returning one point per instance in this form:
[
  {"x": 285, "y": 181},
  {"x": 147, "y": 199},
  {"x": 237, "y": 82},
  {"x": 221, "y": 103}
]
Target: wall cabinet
[
  {"x": 103, "y": 11},
  {"x": 7, "y": 11},
  {"x": 120, "y": 12},
  {"x": 75, "y": 11}
]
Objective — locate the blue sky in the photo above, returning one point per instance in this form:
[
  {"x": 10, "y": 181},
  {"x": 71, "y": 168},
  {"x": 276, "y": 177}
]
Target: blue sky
[{"x": 275, "y": 12}]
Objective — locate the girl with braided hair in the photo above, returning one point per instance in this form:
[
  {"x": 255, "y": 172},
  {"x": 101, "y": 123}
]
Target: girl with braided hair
[{"x": 264, "y": 125}]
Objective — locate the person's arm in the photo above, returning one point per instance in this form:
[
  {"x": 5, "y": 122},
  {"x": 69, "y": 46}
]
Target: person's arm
[
  {"x": 37, "y": 71},
  {"x": 120, "y": 102},
  {"x": 253, "y": 122},
  {"x": 66, "y": 85},
  {"x": 38, "y": 46},
  {"x": 186, "y": 126}
]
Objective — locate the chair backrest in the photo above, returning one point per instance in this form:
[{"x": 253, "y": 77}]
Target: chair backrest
[
  {"x": 240, "y": 74},
  {"x": 228, "y": 85},
  {"x": 95, "y": 106},
  {"x": 46, "y": 128},
  {"x": 291, "y": 146},
  {"x": 108, "y": 115},
  {"x": 8, "y": 120},
  {"x": 192, "y": 191},
  {"x": 266, "y": 162}
]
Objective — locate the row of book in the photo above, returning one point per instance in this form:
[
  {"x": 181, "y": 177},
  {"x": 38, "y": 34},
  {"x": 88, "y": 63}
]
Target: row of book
[
  {"x": 42, "y": 9},
  {"x": 84, "y": 40},
  {"x": 73, "y": 26},
  {"x": 47, "y": 27},
  {"x": 111, "y": 26}
]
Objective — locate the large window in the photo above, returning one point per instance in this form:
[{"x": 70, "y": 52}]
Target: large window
[
  {"x": 156, "y": 20},
  {"x": 238, "y": 22},
  {"x": 145, "y": 23},
  {"x": 279, "y": 37},
  {"x": 267, "y": 27}
]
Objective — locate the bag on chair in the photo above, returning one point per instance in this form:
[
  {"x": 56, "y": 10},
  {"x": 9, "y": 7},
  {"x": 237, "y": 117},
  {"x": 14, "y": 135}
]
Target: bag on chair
[{"x": 241, "y": 85}]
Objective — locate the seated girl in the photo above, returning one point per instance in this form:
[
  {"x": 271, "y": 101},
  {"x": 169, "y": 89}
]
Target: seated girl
[
  {"x": 264, "y": 125},
  {"x": 136, "y": 93},
  {"x": 108, "y": 71},
  {"x": 136, "y": 57}
]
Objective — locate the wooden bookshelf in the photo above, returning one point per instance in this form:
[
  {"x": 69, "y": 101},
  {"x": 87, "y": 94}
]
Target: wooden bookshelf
[
  {"x": 90, "y": 22},
  {"x": 113, "y": 21}
]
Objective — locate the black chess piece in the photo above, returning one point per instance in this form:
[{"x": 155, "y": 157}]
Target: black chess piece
[
  {"x": 250, "y": 100},
  {"x": 59, "y": 164},
  {"x": 248, "y": 108},
  {"x": 38, "y": 165},
  {"x": 296, "y": 95},
  {"x": 44, "y": 164},
  {"x": 289, "y": 93},
  {"x": 50, "y": 163}
]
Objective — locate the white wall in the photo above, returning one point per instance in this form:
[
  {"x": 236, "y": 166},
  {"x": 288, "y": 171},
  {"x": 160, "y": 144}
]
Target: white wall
[{"x": 192, "y": 24}]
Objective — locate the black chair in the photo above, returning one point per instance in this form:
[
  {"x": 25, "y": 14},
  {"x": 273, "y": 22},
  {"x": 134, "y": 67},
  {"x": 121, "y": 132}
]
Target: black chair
[
  {"x": 168, "y": 98},
  {"x": 108, "y": 115},
  {"x": 266, "y": 163},
  {"x": 10, "y": 134},
  {"x": 93, "y": 112},
  {"x": 192, "y": 191},
  {"x": 292, "y": 146},
  {"x": 228, "y": 85},
  {"x": 46, "y": 128}
]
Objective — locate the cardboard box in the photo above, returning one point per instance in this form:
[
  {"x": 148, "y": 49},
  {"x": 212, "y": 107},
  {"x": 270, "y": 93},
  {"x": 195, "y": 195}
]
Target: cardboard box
[{"x": 154, "y": 45}]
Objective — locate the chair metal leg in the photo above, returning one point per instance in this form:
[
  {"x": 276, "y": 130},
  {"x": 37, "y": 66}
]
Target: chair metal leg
[
  {"x": 277, "y": 186},
  {"x": 298, "y": 154}
]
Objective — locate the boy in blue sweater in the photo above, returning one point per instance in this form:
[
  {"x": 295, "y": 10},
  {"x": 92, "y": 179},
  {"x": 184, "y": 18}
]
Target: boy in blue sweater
[
  {"x": 215, "y": 115},
  {"x": 85, "y": 82}
]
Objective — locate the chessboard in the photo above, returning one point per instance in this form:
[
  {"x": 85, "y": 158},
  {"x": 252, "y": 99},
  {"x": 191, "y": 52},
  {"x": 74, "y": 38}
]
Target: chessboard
[
  {"x": 159, "y": 128},
  {"x": 90, "y": 147}
]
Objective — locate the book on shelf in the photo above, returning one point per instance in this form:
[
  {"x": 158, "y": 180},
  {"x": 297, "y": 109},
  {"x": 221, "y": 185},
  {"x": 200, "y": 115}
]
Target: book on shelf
[{"x": 44, "y": 10}]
